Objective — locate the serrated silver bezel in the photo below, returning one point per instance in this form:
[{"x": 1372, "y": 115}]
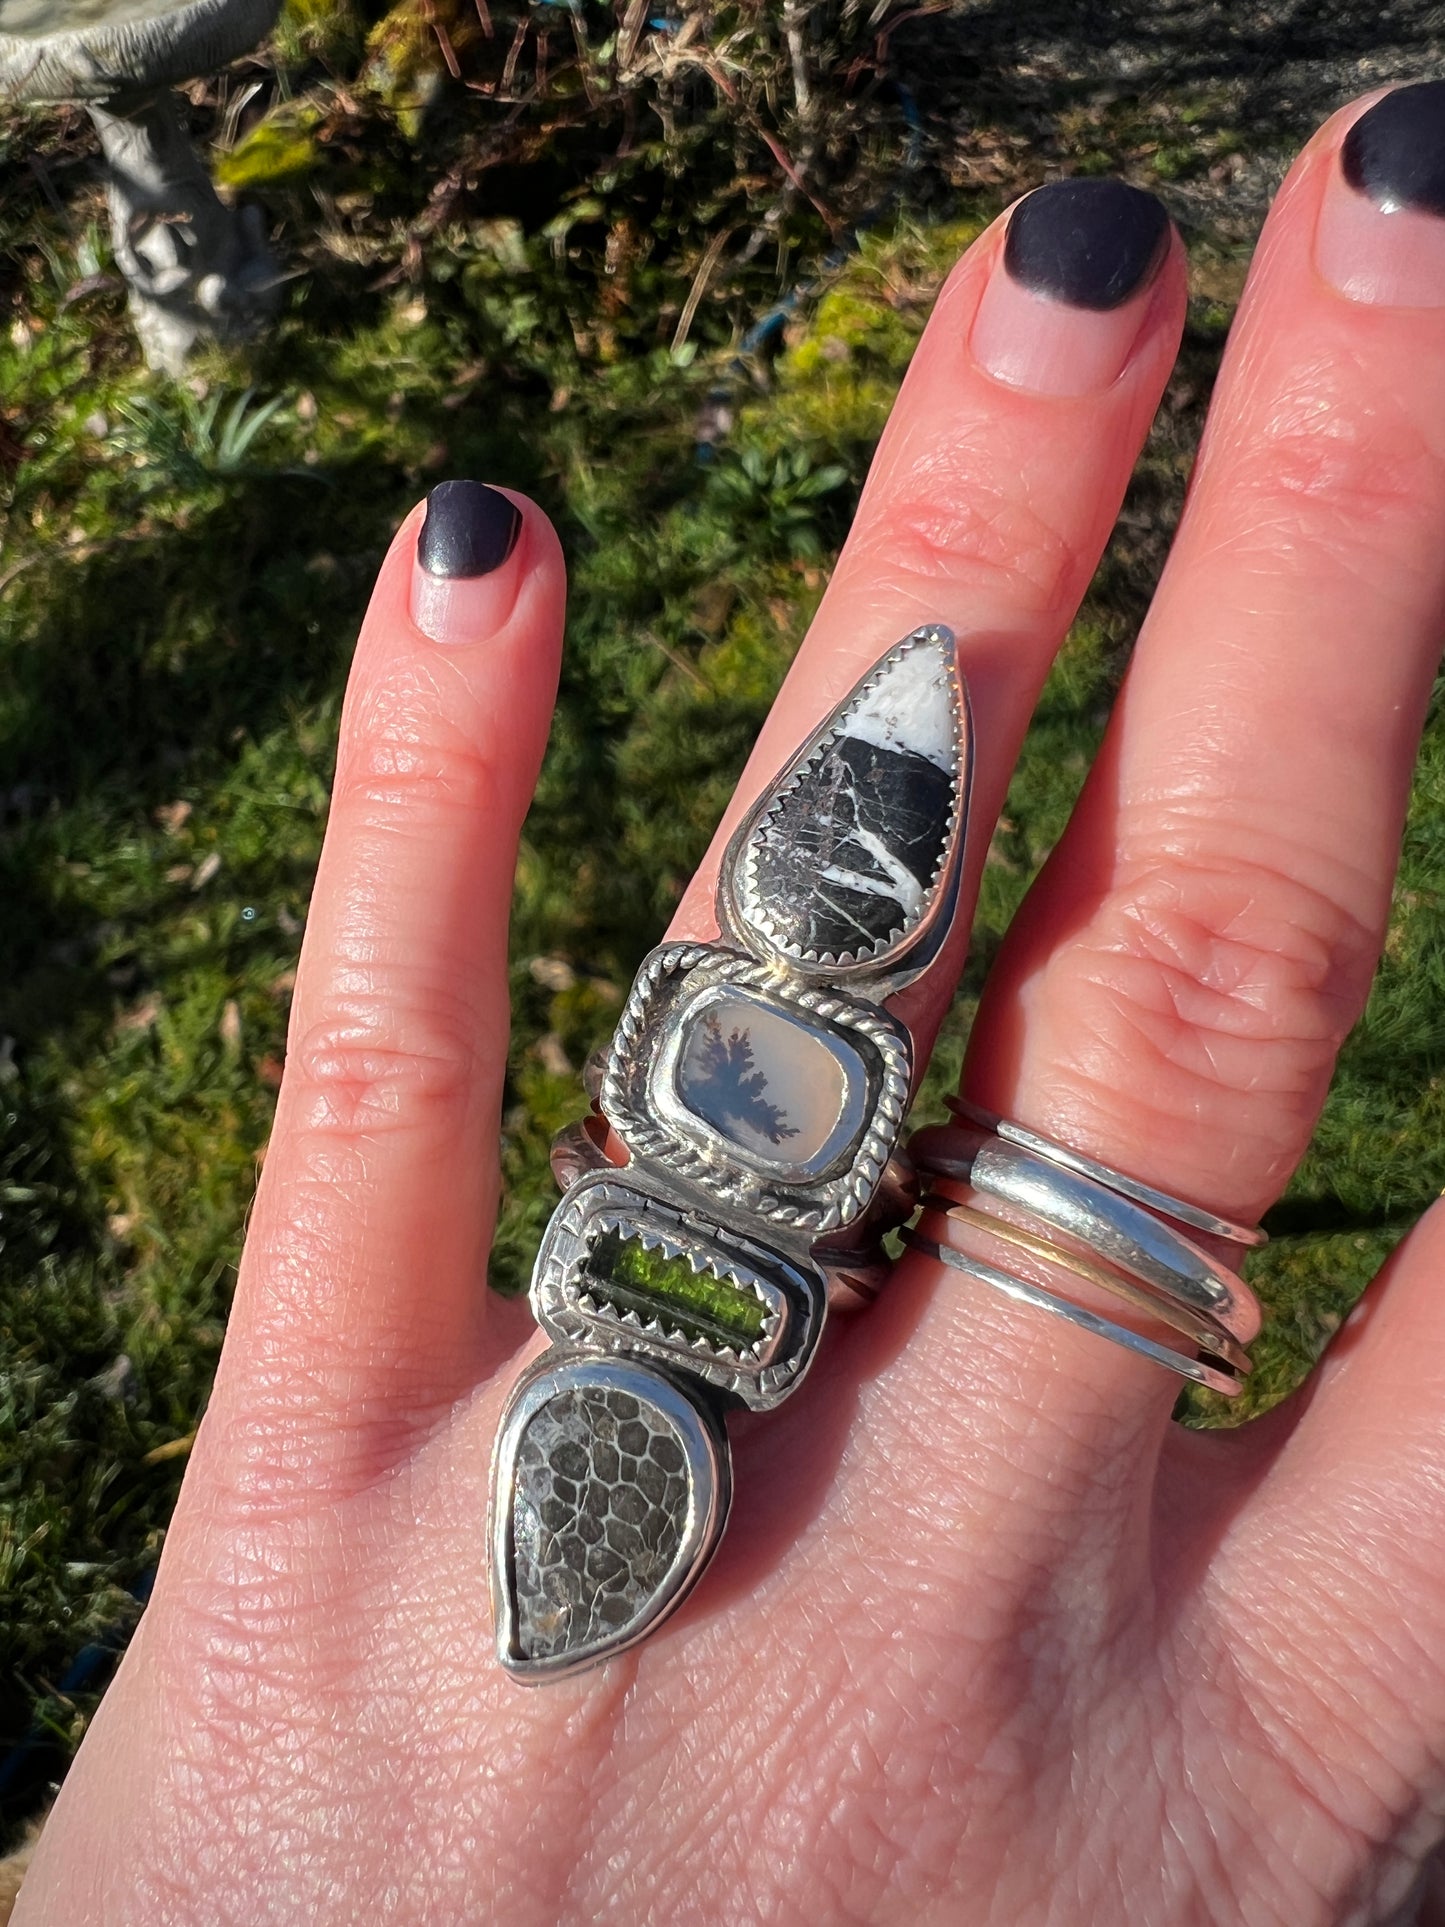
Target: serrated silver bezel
[
  {"x": 743, "y": 909},
  {"x": 759, "y": 1376}
]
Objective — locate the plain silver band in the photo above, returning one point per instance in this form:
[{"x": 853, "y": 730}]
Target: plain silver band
[
  {"x": 1191, "y": 1215},
  {"x": 1041, "y": 1300},
  {"x": 1112, "y": 1227},
  {"x": 1206, "y": 1333}
]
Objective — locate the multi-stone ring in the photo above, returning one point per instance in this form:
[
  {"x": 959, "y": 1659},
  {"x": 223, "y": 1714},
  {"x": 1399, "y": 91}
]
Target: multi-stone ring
[{"x": 758, "y": 1086}]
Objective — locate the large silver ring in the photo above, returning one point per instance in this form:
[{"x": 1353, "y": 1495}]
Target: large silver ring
[
  {"x": 1072, "y": 1217},
  {"x": 1090, "y": 1214},
  {"x": 758, "y": 1085},
  {"x": 1175, "y": 1209}
]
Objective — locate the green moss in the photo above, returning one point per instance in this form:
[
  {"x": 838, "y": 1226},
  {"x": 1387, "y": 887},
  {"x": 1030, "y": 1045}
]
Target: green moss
[
  {"x": 631, "y": 1276},
  {"x": 407, "y": 65},
  {"x": 282, "y": 147}
]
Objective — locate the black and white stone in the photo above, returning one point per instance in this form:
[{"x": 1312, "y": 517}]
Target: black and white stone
[
  {"x": 845, "y": 860},
  {"x": 612, "y": 1492},
  {"x": 598, "y": 1514}
]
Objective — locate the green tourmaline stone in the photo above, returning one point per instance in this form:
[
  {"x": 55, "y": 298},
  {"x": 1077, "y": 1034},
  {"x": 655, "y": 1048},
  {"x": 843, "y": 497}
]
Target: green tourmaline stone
[{"x": 632, "y": 1277}]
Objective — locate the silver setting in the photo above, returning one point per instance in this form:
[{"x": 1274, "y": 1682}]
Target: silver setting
[
  {"x": 700, "y": 1520},
  {"x": 1192, "y": 1215},
  {"x": 748, "y": 911},
  {"x": 1101, "y": 1221},
  {"x": 695, "y": 1158},
  {"x": 594, "y": 1536},
  {"x": 861, "y": 1266},
  {"x": 570, "y": 1308}
]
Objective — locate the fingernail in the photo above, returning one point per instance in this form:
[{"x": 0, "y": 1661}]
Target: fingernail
[
  {"x": 1065, "y": 303},
  {"x": 1381, "y": 230},
  {"x": 461, "y": 588}
]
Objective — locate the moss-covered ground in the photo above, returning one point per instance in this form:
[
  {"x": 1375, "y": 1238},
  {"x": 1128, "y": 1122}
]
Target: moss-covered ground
[{"x": 533, "y": 245}]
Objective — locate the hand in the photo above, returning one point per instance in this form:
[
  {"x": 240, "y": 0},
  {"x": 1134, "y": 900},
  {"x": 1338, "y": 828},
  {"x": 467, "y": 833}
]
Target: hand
[{"x": 988, "y": 1640}]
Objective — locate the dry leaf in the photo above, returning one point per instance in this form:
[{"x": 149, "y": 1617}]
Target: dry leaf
[
  {"x": 174, "y": 816},
  {"x": 141, "y": 1016},
  {"x": 552, "y": 973}
]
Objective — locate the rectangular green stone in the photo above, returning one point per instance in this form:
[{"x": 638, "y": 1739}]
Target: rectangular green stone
[{"x": 630, "y": 1276}]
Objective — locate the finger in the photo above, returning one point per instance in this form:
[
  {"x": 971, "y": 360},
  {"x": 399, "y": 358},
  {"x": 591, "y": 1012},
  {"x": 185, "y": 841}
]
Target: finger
[
  {"x": 992, "y": 492},
  {"x": 986, "y": 508},
  {"x": 1172, "y": 996},
  {"x": 1330, "y": 1588},
  {"x": 362, "y": 1286}
]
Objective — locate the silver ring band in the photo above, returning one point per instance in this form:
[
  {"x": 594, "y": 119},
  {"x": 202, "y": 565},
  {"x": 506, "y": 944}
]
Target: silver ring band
[
  {"x": 1210, "y": 1336},
  {"x": 578, "y": 1151},
  {"x": 1175, "y": 1209},
  {"x": 1118, "y": 1228},
  {"x": 1077, "y": 1315}
]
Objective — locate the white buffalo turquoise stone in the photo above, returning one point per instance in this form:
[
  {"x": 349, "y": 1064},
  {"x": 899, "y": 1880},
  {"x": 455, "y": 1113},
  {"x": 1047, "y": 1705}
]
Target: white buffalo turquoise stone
[
  {"x": 784, "y": 1094},
  {"x": 911, "y": 706},
  {"x": 847, "y": 859}
]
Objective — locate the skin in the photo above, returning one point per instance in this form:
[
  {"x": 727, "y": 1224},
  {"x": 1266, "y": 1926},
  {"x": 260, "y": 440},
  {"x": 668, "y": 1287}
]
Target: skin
[{"x": 989, "y": 1640}]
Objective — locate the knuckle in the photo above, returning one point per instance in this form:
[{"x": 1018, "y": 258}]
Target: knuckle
[
  {"x": 1337, "y": 475},
  {"x": 415, "y": 743},
  {"x": 328, "y": 1409},
  {"x": 373, "y": 1064},
  {"x": 1198, "y": 984},
  {"x": 972, "y": 532}
]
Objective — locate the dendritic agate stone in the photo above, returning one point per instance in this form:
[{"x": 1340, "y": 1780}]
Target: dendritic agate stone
[
  {"x": 788, "y": 1095},
  {"x": 846, "y": 861},
  {"x": 617, "y": 1492}
]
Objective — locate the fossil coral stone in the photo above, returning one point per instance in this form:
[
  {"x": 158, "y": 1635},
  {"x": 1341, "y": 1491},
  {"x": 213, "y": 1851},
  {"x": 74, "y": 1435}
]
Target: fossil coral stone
[
  {"x": 846, "y": 861},
  {"x": 600, "y": 1506},
  {"x": 786, "y": 1094}
]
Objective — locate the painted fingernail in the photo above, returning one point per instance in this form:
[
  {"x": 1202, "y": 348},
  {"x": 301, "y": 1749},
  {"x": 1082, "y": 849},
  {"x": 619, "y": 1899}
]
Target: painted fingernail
[
  {"x": 1381, "y": 231},
  {"x": 1065, "y": 304},
  {"x": 461, "y": 588}
]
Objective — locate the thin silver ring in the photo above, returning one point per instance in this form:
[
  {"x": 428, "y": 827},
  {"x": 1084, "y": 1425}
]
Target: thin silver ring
[
  {"x": 1206, "y": 1333},
  {"x": 1026, "y": 1294},
  {"x": 1192, "y": 1215},
  {"x": 1117, "y": 1228}
]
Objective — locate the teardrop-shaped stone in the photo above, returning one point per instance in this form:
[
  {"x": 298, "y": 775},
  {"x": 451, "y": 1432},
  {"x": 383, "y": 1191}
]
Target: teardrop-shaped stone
[
  {"x": 613, "y": 1487},
  {"x": 847, "y": 857}
]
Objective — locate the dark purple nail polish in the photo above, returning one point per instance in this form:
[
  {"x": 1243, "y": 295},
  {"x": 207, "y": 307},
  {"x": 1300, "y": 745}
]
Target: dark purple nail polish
[
  {"x": 1395, "y": 153},
  {"x": 469, "y": 530},
  {"x": 1091, "y": 243}
]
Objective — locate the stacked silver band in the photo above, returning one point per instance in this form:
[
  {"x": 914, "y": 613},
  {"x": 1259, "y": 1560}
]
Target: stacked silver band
[{"x": 1078, "y": 1219}]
